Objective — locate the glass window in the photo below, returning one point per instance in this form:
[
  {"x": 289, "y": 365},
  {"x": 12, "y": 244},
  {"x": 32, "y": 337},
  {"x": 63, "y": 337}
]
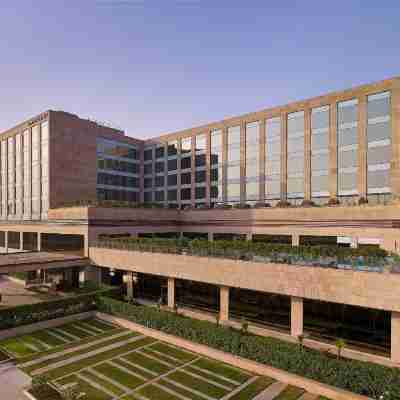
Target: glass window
[
  {"x": 273, "y": 158},
  {"x": 172, "y": 165},
  {"x": 172, "y": 195},
  {"x": 252, "y": 153},
  {"x": 148, "y": 154},
  {"x": 200, "y": 160},
  {"x": 160, "y": 165},
  {"x": 172, "y": 148},
  {"x": 200, "y": 193},
  {"x": 233, "y": 144},
  {"x": 160, "y": 152},
  {"x": 186, "y": 163},
  {"x": 172, "y": 180},
  {"x": 216, "y": 146},
  {"x": 201, "y": 142},
  {"x": 148, "y": 169},
  {"x": 186, "y": 145},
  {"x": 159, "y": 195},
  {"x": 186, "y": 194},
  {"x": 186, "y": 178},
  {"x": 233, "y": 191},
  {"x": 148, "y": 197},
  {"x": 200, "y": 176},
  {"x": 159, "y": 181},
  {"x": 148, "y": 183}
]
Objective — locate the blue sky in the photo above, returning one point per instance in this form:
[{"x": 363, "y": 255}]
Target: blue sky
[{"x": 153, "y": 67}]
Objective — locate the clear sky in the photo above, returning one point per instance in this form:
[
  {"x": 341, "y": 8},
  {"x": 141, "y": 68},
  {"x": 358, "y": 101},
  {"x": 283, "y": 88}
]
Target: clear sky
[{"x": 157, "y": 66}]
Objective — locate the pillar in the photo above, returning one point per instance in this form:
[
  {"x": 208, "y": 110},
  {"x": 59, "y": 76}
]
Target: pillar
[
  {"x": 354, "y": 243},
  {"x": 129, "y": 278},
  {"x": 296, "y": 316},
  {"x": 171, "y": 292},
  {"x": 295, "y": 239},
  {"x": 21, "y": 241},
  {"x": 210, "y": 236},
  {"x": 395, "y": 337},
  {"x": 307, "y": 154},
  {"x": 39, "y": 241},
  {"x": 249, "y": 236},
  {"x": 6, "y": 241},
  {"x": 224, "y": 303}
]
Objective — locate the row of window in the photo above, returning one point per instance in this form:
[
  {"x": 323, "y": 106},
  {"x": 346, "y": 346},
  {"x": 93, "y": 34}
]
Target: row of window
[{"x": 184, "y": 193}]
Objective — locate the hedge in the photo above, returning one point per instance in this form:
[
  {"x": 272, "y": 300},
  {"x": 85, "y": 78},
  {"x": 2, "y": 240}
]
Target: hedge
[
  {"x": 356, "y": 376},
  {"x": 32, "y": 313},
  {"x": 373, "y": 257}
]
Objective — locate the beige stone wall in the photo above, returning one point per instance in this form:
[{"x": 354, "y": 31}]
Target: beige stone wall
[{"x": 366, "y": 289}]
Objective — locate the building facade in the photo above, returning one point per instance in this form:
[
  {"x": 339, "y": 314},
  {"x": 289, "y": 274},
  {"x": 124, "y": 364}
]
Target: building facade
[{"x": 323, "y": 170}]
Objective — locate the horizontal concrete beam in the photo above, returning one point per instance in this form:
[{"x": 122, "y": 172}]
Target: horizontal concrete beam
[{"x": 365, "y": 289}]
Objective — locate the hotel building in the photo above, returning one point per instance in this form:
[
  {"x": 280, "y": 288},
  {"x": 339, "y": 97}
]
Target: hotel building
[{"x": 318, "y": 171}]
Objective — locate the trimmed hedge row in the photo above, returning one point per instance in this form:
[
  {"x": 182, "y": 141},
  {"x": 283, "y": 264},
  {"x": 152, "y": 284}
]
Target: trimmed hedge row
[
  {"x": 359, "y": 377},
  {"x": 31, "y": 313}
]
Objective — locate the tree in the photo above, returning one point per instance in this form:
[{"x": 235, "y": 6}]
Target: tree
[{"x": 340, "y": 344}]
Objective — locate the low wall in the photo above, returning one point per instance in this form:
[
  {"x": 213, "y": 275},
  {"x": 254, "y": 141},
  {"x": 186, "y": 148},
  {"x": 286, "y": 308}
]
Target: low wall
[
  {"x": 254, "y": 367},
  {"x": 25, "y": 329}
]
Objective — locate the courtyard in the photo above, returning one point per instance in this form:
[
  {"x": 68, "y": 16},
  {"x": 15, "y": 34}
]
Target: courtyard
[{"x": 101, "y": 361}]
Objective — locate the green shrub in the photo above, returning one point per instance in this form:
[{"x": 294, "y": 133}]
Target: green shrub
[
  {"x": 359, "y": 377},
  {"x": 32, "y": 313}
]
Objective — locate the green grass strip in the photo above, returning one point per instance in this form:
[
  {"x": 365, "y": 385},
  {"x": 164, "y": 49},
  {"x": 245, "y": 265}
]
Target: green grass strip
[
  {"x": 101, "y": 325},
  {"x": 61, "y": 334},
  {"x": 78, "y": 352},
  {"x": 148, "y": 363},
  {"x": 162, "y": 357},
  {"x": 153, "y": 392},
  {"x": 223, "y": 369},
  {"x": 118, "y": 375},
  {"x": 89, "y": 328},
  {"x": 102, "y": 382},
  {"x": 253, "y": 389},
  {"x": 70, "y": 345},
  {"x": 197, "y": 384},
  {"x": 98, "y": 358},
  {"x": 75, "y": 331},
  {"x": 130, "y": 367},
  {"x": 210, "y": 377},
  {"x": 17, "y": 347},
  {"x": 179, "y": 354},
  {"x": 290, "y": 393},
  {"x": 91, "y": 392},
  {"x": 183, "y": 392},
  {"x": 47, "y": 338}
]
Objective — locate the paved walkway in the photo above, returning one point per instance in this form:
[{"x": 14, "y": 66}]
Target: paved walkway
[
  {"x": 271, "y": 391},
  {"x": 12, "y": 382}
]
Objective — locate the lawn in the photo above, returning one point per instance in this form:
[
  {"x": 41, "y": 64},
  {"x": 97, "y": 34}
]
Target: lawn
[{"x": 113, "y": 363}]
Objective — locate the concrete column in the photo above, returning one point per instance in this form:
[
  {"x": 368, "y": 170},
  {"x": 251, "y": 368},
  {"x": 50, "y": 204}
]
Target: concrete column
[
  {"x": 283, "y": 156},
  {"x": 395, "y": 337},
  {"x": 249, "y": 236},
  {"x": 333, "y": 154},
  {"x": 21, "y": 241},
  {"x": 6, "y": 241},
  {"x": 208, "y": 168},
  {"x": 171, "y": 292},
  {"x": 129, "y": 285},
  {"x": 210, "y": 236},
  {"x": 224, "y": 303},
  {"x": 354, "y": 243},
  {"x": 362, "y": 146},
  {"x": 395, "y": 164},
  {"x": 296, "y": 316},
  {"x": 39, "y": 241},
  {"x": 295, "y": 239}
]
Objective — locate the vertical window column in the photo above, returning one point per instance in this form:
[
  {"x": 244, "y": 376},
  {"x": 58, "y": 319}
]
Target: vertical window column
[
  {"x": 320, "y": 153},
  {"x": 233, "y": 167},
  {"x": 273, "y": 152},
  {"x": 379, "y": 143},
  {"x": 216, "y": 166},
  {"x": 27, "y": 174},
  {"x": 200, "y": 169},
  {"x": 172, "y": 170},
  {"x": 19, "y": 185},
  {"x": 148, "y": 174},
  {"x": 11, "y": 177},
  {"x": 347, "y": 142},
  {"x": 252, "y": 161},
  {"x": 160, "y": 174},
  {"x": 4, "y": 178},
  {"x": 185, "y": 178},
  {"x": 45, "y": 168},
  {"x": 295, "y": 156}
]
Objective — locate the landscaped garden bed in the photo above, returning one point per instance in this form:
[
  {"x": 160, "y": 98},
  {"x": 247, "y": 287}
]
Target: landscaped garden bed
[{"x": 359, "y": 377}]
